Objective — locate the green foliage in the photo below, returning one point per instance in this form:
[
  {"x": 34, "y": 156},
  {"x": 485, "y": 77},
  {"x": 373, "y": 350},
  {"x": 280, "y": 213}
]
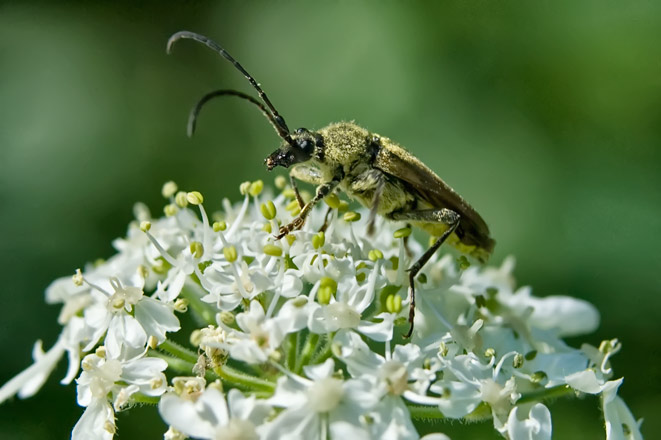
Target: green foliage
[{"x": 545, "y": 116}]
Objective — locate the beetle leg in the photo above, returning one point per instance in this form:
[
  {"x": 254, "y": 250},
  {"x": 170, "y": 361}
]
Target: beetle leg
[
  {"x": 407, "y": 249},
  {"x": 294, "y": 186},
  {"x": 322, "y": 191},
  {"x": 324, "y": 226},
  {"x": 445, "y": 216},
  {"x": 375, "y": 206},
  {"x": 306, "y": 174}
]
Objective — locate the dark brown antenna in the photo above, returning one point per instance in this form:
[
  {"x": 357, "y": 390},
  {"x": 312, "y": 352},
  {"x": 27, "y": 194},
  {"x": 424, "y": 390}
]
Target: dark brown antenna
[
  {"x": 195, "y": 111},
  {"x": 276, "y": 119}
]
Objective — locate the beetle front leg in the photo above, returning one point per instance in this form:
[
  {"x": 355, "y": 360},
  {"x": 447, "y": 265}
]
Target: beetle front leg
[
  {"x": 444, "y": 216},
  {"x": 297, "y": 194},
  {"x": 322, "y": 191}
]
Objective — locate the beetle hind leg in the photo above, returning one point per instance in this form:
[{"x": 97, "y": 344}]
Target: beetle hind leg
[{"x": 444, "y": 216}]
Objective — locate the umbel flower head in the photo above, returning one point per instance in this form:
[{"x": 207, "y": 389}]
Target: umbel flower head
[{"x": 301, "y": 338}]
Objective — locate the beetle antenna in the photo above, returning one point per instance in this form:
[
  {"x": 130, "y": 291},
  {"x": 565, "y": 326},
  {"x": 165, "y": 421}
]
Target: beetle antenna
[
  {"x": 195, "y": 111},
  {"x": 279, "y": 120}
]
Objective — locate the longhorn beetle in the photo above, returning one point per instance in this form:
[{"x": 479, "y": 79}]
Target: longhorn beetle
[{"x": 368, "y": 167}]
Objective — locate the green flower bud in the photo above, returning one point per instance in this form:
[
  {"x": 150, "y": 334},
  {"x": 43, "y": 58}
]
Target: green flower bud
[
  {"x": 268, "y": 210},
  {"x": 194, "y": 198},
  {"x": 272, "y": 250},
  {"x": 402, "y": 232},
  {"x": 230, "y": 253},
  {"x": 351, "y": 216}
]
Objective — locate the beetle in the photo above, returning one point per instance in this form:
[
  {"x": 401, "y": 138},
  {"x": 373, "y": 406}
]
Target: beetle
[{"x": 370, "y": 168}]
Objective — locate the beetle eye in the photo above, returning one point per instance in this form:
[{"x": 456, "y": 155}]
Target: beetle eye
[
  {"x": 306, "y": 146},
  {"x": 301, "y": 130},
  {"x": 318, "y": 140}
]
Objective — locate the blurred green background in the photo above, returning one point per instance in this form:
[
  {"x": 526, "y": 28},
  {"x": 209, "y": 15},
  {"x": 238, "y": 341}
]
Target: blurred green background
[{"x": 546, "y": 116}]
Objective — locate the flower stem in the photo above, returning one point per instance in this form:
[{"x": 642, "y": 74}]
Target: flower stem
[
  {"x": 179, "y": 351},
  {"x": 308, "y": 350},
  {"x": 201, "y": 309},
  {"x": 425, "y": 412},
  {"x": 292, "y": 350},
  {"x": 144, "y": 399},
  {"x": 545, "y": 393},
  {"x": 181, "y": 366},
  {"x": 325, "y": 351},
  {"x": 243, "y": 380},
  {"x": 174, "y": 363}
]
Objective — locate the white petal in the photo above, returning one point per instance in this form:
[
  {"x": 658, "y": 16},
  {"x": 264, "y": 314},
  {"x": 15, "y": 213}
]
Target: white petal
[
  {"x": 536, "y": 427},
  {"x": 320, "y": 371},
  {"x": 394, "y": 421},
  {"x": 156, "y": 318},
  {"x": 435, "y": 436},
  {"x": 617, "y": 414},
  {"x": 379, "y": 331},
  {"x": 357, "y": 354},
  {"x": 289, "y": 393},
  {"x": 30, "y": 380},
  {"x": 291, "y": 286},
  {"x": 176, "y": 284},
  {"x": 293, "y": 424},
  {"x": 585, "y": 381},
  {"x": 93, "y": 423},
  {"x": 463, "y": 399},
  {"x": 247, "y": 408},
  {"x": 195, "y": 419}
]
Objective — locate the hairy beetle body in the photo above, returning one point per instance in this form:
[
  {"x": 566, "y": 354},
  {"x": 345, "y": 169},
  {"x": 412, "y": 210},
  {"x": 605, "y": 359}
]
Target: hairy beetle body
[{"x": 372, "y": 169}]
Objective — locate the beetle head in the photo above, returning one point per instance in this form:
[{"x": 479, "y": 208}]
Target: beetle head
[{"x": 304, "y": 145}]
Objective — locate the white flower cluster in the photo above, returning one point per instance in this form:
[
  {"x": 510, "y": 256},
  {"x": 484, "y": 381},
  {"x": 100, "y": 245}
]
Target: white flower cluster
[{"x": 301, "y": 338}]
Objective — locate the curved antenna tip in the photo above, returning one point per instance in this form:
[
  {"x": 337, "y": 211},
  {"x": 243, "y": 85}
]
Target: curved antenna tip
[
  {"x": 190, "y": 127},
  {"x": 176, "y": 37}
]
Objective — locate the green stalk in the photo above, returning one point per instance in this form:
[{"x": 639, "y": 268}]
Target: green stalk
[
  {"x": 292, "y": 350},
  {"x": 425, "y": 412},
  {"x": 325, "y": 352},
  {"x": 308, "y": 350},
  {"x": 174, "y": 363},
  {"x": 201, "y": 309},
  {"x": 178, "y": 351},
  {"x": 243, "y": 380},
  {"x": 145, "y": 400},
  {"x": 545, "y": 393}
]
